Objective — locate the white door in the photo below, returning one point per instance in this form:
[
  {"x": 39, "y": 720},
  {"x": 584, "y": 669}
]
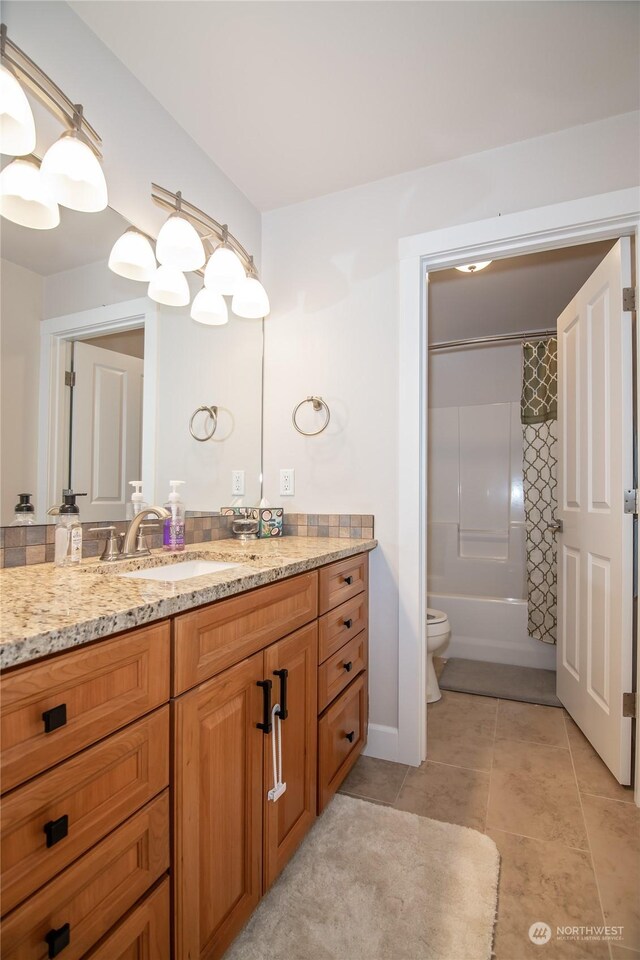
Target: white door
[
  {"x": 106, "y": 430},
  {"x": 595, "y": 549}
]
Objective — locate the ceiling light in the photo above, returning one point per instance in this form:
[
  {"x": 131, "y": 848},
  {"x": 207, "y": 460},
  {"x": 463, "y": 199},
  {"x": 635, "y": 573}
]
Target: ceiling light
[
  {"x": 132, "y": 256},
  {"x": 210, "y": 308},
  {"x": 251, "y": 300},
  {"x": 73, "y": 173},
  {"x": 17, "y": 128},
  {"x": 169, "y": 286},
  {"x": 24, "y": 197},
  {"x": 224, "y": 272},
  {"x": 179, "y": 244},
  {"x": 474, "y": 267}
]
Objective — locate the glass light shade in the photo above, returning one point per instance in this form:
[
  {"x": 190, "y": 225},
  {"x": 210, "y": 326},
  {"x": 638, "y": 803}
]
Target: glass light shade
[
  {"x": 24, "y": 198},
  {"x": 169, "y": 286},
  {"x": 224, "y": 273},
  {"x": 73, "y": 174},
  {"x": 210, "y": 308},
  {"x": 251, "y": 300},
  {"x": 132, "y": 256},
  {"x": 17, "y": 127},
  {"x": 179, "y": 244},
  {"x": 474, "y": 267}
]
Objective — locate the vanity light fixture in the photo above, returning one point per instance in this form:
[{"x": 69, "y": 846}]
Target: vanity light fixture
[
  {"x": 70, "y": 168},
  {"x": 169, "y": 286},
  {"x": 210, "y": 308},
  {"x": 251, "y": 300},
  {"x": 132, "y": 256},
  {"x": 24, "y": 197},
  {"x": 179, "y": 244},
  {"x": 224, "y": 272},
  {"x": 474, "y": 267}
]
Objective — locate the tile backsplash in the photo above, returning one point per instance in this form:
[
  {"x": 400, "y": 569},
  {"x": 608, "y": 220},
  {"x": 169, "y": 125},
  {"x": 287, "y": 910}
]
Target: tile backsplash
[{"x": 22, "y": 546}]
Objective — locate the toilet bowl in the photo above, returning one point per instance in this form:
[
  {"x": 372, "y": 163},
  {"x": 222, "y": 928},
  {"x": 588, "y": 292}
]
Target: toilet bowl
[{"x": 438, "y": 632}]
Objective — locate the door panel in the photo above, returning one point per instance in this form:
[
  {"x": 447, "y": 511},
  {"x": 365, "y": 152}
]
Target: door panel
[
  {"x": 287, "y": 819},
  {"x": 218, "y": 809},
  {"x": 595, "y": 569}
]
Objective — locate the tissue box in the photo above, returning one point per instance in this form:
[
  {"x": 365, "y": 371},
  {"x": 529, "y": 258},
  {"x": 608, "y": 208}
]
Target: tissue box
[{"x": 271, "y": 521}]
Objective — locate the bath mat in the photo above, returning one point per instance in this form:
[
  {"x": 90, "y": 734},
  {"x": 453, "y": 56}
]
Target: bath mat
[
  {"x": 502, "y": 680},
  {"x": 373, "y": 883}
]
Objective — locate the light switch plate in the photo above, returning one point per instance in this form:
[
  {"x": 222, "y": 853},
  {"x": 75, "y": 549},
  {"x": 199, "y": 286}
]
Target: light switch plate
[
  {"x": 237, "y": 483},
  {"x": 287, "y": 482}
]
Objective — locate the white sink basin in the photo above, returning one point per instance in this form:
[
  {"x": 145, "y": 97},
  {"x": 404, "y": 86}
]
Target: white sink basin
[{"x": 172, "y": 572}]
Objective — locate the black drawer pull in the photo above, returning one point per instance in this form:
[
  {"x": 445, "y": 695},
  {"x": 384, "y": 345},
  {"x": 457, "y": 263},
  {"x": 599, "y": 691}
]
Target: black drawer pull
[
  {"x": 283, "y": 674},
  {"x": 348, "y": 666},
  {"x": 56, "y": 830},
  {"x": 350, "y": 736},
  {"x": 265, "y": 726},
  {"x": 54, "y": 718},
  {"x": 58, "y": 939},
  {"x": 348, "y": 580},
  {"x": 348, "y": 623}
]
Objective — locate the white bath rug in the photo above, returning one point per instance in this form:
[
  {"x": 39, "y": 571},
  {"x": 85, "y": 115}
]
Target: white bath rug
[{"x": 373, "y": 883}]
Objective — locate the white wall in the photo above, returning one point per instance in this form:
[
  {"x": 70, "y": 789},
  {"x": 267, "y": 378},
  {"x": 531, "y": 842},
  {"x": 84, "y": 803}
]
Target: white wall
[
  {"x": 20, "y": 314},
  {"x": 331, "y": 268},
  {"x": 142, "y": 143}
]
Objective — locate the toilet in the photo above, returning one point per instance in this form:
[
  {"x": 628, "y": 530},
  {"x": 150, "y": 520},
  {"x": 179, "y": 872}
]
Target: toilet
[{"x": 438, "y": 632}]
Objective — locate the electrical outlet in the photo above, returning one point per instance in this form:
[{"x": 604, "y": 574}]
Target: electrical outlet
[
  {"x": 287, "y": 482},
  {"x": 237, "y": 483}
]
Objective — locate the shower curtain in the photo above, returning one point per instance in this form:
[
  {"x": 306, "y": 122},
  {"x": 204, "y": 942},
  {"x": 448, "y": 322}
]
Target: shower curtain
[{"x": 538, "y": 411}]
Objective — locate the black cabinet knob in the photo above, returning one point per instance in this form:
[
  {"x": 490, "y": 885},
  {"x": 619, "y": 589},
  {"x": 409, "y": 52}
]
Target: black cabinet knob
[
  {"x": 56, "y": 830},
  {"x": 58, "y": 939},
  {"x": 348, "y": 666},
  {"x": 348, "y": 580},
  {"x": 348, "y": 623},
  {"x": 350, "y": 736},
  {"x": 55, "y": 717}
]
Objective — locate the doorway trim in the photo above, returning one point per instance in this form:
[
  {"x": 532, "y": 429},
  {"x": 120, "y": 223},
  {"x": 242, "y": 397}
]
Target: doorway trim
[
  {"x": 599, "y": 217},
  {"x": 54, "y": 335}
]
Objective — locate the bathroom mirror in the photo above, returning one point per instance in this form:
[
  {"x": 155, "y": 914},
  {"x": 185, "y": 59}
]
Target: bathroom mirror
[{"x": 99, "y": 383}]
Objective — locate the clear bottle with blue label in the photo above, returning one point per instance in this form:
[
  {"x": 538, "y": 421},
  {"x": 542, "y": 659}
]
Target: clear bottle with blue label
[{"x": 173, "y": 527}]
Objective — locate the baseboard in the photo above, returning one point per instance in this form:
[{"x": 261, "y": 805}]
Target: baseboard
[{"x": 382, "y": 742}]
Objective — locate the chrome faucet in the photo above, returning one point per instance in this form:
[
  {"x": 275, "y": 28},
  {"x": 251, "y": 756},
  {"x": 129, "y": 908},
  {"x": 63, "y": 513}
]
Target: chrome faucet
[{"x": 131, "y": 536}]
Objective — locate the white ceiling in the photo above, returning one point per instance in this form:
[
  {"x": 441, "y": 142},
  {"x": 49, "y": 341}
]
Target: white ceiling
[
  {"x": 298, "y": 99},
  {"x": 514, "y": 295}
]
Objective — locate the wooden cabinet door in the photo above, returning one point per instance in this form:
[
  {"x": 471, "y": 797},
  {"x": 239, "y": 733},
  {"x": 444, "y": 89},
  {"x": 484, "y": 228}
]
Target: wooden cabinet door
[
  {"x": 287, "y": 819},
  {"x": 218, "y": 801}
]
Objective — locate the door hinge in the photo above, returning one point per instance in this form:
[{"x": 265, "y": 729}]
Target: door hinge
[
  {"x": 629, "y": 705},
  {"x": 632, "y": 501},
  {"x": 629, "y": 298},
  {"x": 69, "y": 378}
]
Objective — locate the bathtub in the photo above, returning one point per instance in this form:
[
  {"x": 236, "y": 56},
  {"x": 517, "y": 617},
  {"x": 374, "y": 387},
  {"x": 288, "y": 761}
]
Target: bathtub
[{"x": 491, "y": 628}]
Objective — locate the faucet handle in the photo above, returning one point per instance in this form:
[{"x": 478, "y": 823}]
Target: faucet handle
[
  {"x": 141, "y": 546},
  {"x": 112, "y": 543}
]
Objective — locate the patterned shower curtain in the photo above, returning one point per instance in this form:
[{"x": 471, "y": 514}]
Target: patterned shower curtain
[{"x": 538, "y": 410}]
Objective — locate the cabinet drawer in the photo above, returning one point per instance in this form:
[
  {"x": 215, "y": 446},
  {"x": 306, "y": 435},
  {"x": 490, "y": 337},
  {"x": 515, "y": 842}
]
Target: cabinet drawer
[
  {"x": 143, "y": 934},
  {"x": 94, "y": 791},
  {"x": 208, "y": 641},
  {"x": 81, "y": 696},
  {"x": 338, "y": 671},
  {"x": 342, "y": 580},
  {"x": 342, "y": 733},
  {"x": 85, "y": 901},
  {"x": 341, "y": 624}
]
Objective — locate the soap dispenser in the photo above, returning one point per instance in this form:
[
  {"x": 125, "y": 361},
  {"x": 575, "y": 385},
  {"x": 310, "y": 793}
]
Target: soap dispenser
[
  {"x": 68, "y": 535},
  {"x": 24, "y": 511},
  {"x": 173, "y": 528},
  {"x": 137, "y": 504}
]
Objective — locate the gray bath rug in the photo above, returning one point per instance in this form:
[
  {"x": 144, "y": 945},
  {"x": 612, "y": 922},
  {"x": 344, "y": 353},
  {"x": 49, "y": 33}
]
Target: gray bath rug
[
  {"x": 502, "y": 680},
  {"x": 373, "y": 883}
]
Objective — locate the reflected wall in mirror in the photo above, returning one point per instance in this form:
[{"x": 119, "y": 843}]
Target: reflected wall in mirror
[{"x": 141, "y": 371}]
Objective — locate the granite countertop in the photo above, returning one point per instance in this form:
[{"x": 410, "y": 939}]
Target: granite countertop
[{"x": 45, "y": 609}]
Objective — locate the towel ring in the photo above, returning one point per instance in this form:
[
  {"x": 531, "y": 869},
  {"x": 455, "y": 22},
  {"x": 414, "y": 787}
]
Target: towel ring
[
  {"x": 212, "y": 412},
  {"x": 318, "y": 404}
]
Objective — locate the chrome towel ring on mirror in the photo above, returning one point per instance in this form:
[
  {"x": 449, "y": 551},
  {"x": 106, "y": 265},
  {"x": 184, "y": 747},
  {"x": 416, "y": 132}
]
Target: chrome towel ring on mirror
[
  {"x": 318, "y": 404},
  {"x": 212, "y": 413}
]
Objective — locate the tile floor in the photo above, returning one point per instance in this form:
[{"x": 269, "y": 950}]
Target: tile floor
[{"x": 568, "y": 833}]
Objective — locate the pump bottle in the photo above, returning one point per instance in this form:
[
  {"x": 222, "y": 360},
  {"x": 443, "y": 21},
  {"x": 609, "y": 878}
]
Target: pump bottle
[
  {"x": 136, "y": 504},
  {"x": 173, "y": 528}
]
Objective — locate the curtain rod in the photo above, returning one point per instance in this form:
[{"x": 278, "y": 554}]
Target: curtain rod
[{"x": 485, "y": 341}]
